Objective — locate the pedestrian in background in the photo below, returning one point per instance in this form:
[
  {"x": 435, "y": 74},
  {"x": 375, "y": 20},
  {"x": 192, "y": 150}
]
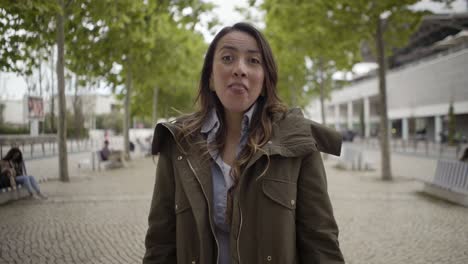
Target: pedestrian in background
[
  {"x": 114, "y": 157},
  {"x": 14, "y": 157},
  {"x": 242, "y": 179}
]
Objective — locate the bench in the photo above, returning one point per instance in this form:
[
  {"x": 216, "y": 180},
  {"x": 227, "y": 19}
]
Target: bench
[
  {"x": 15, "y": 193},
  {"x": 354, "y": 158},
  {"x": 95, "y": 162},
  {"x": 10, "y": 194},
  {"x": 450, "y": 181}
]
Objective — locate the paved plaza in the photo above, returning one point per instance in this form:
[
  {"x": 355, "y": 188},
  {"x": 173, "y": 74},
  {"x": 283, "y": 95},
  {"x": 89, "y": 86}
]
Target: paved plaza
[{"x": 101, "y": 217}]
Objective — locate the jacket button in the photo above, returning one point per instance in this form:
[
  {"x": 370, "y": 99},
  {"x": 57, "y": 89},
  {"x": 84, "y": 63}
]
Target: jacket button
[
  {"x": 269, "y": 258},
  {"x": 194, "y": 262},
  {"x": 270, "y": 142},
  {"x": 293, "y": 202},
  {"x": 176, "y": 206},
  {"x": 179, "y": 158}
]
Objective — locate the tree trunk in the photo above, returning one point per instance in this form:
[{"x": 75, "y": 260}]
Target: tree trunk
[
  {"x": 77, "y": 111},
  {"x": 126, "y": 126},
  {"x": 451, "y": 126},
  {"x": 62, "y": 125},
  {"x": 155, "y": 105},
  {"x": 52, "y": 98},
  {"x": 322, "y": 92},
  {"x": 384, "y": 133},
  {"x": 2, "y": 109},
  {"x": 42, "y": 125}
]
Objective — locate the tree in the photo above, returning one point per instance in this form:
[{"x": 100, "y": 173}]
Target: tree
[
  {"x": 2, "y": 109},
  {"x": 386, "y": 24},
  {"x": 451, "y": 125},
  {"x": 307, "y": 48},
  {"x": 143, "y": 39},
  {"x": 118, "y": 42},
  {"x": 62, "y": 124},
  {"x": 144, "y": 23},
  {"x": 25, "y": 31},
  {"x": 168, "y": 82},
  {"x": 27, "y": 27}
]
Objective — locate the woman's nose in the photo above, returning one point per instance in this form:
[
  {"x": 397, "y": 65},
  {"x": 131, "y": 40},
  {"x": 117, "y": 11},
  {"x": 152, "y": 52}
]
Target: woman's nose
[{"x": 240, "y": 69}]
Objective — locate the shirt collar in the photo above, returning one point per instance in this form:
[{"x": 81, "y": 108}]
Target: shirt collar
[{"x": 211, "y": 123}]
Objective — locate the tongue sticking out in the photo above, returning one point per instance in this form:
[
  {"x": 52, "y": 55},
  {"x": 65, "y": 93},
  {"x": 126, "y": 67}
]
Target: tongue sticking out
[{"x": 237, "y": 89}]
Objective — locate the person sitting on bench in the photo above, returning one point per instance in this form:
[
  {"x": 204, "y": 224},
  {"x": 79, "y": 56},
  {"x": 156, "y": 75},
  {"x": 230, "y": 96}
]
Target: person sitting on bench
[
  {"x": 113, "y": 156},
  {"x": 14, "y": 157}
]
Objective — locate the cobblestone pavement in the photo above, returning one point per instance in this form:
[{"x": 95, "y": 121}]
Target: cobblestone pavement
[
  {"x": 101, "y": 217},
  {"x": 393, "y": 222}
]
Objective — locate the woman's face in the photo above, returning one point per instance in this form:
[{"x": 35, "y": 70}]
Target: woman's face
[{"x": 238, "y": 74}]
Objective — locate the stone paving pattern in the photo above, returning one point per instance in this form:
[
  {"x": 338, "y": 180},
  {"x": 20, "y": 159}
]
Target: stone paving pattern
[{"x": 101, "y": 217}]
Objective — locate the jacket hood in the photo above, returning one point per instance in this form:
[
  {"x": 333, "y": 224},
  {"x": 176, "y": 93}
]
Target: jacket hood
[{"x": 293, "y": 135}]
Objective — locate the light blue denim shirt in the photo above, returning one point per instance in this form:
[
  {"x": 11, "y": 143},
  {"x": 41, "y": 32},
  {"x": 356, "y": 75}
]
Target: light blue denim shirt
[{"x": 222, "y": 181}]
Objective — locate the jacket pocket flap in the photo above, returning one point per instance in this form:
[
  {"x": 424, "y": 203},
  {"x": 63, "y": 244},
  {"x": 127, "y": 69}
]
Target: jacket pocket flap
[
  {"x": 281, "y": 192},
  {"x": 179, "y": 208},
  {"x": 181, "y": 204}
]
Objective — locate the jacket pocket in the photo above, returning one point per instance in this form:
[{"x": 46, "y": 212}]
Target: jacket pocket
[
  {"x": 278, "y": 218},
  {"x": 281, "y": 192}
]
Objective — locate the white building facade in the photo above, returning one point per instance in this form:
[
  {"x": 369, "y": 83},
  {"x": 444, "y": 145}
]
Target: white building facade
[
  {"x": 15, "y": 111},
  {"x": 418, "y": 98}
]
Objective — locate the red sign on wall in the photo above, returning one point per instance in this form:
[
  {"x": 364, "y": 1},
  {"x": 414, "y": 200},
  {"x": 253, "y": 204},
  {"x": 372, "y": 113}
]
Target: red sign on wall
[{"x": 35, "y": 107}]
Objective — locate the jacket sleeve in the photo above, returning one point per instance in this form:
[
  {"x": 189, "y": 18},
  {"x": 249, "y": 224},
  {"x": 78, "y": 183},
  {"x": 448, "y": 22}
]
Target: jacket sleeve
[
  {"x": 160, "y": 239},
  {"x": 316, "y": 228}
]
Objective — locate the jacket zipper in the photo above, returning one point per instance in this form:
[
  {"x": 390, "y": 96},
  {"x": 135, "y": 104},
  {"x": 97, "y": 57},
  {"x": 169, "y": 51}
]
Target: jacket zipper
[
  {"x": 209, "y": 210},
  {"x": 240, "y": 228},
  {"x": 204, "y": 193},
  {"x": 240, "y": 211}
]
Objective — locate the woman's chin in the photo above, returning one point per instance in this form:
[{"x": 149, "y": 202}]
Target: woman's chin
[{"x": 236, "y": 108}]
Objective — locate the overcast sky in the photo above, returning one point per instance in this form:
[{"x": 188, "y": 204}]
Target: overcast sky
[{"x": 12, "y": 86}]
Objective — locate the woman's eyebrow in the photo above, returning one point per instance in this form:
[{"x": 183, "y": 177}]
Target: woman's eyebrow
[{"x": 228, "y": 47}]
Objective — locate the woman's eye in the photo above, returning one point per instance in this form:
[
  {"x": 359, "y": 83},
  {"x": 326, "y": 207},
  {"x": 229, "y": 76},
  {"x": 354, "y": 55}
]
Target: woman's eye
[
  {"x": 227, "y": 58},
  {"x": 254, "y": 61}
]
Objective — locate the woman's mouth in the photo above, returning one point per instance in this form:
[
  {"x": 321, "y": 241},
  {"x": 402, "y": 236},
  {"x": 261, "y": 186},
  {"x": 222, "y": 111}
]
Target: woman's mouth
[{"x": 237, "y": 88}]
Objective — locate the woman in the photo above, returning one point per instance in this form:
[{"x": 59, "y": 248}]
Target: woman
[
  {"x": 241, "y": 180},
  {"x": 15, "y": 158}
]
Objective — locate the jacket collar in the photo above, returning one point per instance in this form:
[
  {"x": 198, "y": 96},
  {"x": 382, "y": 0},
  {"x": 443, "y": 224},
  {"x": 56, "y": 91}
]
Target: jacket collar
[
  {"x": 211, "y": 124},
  {"x": 292, "y": 136}
]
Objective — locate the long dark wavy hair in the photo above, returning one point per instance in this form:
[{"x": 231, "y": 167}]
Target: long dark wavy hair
[
  {"x": 11, "y": 154},
  {"x": 268, "y": 106}
]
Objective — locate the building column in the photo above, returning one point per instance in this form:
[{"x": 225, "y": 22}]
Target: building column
[
  {"x": 367, "y": 116},
  {"x": 350, "y": 115},
  {"x": 34, "y": 128},
  {"x": 337, "y": 116},
  {"x": 438, "y": 128},
  {"x": 404, "y": 129}
]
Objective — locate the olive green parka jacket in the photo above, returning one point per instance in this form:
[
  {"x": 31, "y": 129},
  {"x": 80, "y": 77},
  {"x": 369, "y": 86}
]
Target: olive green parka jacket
[{"x": 283, "y": 216}]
